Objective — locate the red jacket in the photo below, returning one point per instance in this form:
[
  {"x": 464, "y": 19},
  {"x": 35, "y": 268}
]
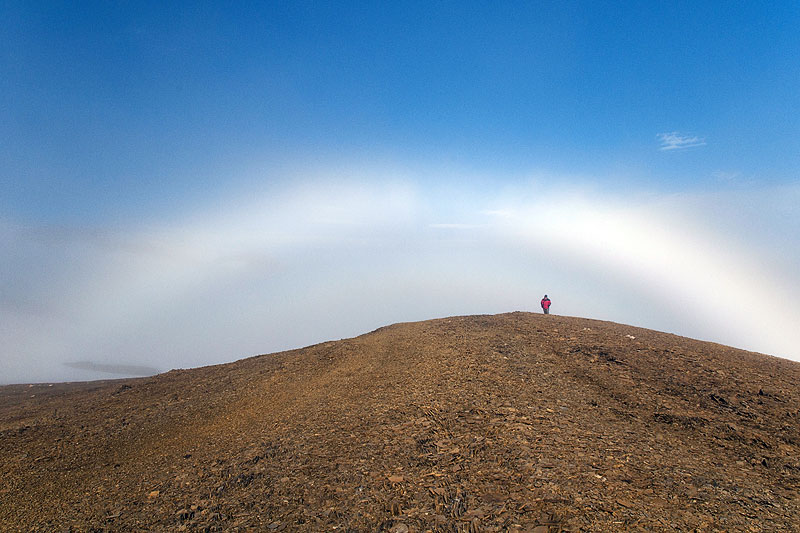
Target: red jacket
[{"x": 545, "y": 303}]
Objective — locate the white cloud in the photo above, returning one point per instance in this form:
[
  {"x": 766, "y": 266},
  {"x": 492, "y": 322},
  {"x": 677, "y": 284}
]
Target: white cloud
[
  {"x": 454, "y": 225},
  {"x": 678, "y": 141},
  {"x": 499, "y": 213},
  {"x": 725, "y": 176}
]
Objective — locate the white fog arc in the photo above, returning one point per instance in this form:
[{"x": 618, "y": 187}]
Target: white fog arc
[
  {"x": 718, "y": 289},
  {"x": 327, "y": 259}
]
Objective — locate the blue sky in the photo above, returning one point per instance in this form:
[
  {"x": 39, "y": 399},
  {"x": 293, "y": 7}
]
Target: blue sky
[{"x": 189, "y": 184}]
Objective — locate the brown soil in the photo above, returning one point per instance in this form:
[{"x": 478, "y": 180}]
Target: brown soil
[{"x": 515, "y": 422}]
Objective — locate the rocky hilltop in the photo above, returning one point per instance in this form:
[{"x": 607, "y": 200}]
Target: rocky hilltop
[{"x": 514, "y": 422}]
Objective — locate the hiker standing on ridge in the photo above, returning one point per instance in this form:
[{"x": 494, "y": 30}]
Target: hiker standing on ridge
[{"x": 546, "y": 305}]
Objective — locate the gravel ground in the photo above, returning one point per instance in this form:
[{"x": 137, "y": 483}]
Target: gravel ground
[{"x": 514, "y": 422}]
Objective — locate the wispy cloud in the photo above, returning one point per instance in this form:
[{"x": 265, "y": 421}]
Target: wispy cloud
[
  {"x": 677, "y": 141},
  {"x": 724, "y": 176},
  {"x": 500, "y": 213},
  {"x": 734, "y": 178},
  {"x": 454, "y": 226}
]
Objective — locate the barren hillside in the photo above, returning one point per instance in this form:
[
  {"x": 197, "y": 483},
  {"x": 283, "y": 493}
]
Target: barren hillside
[{"x": 515, "y": 422}]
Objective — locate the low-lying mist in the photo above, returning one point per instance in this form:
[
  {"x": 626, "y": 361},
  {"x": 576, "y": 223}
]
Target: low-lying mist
[{"x": 328, "y": 259}]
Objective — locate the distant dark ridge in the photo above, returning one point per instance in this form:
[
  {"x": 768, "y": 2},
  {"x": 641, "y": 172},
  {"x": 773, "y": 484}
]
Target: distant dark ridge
[{"x": 121, "y": 370}]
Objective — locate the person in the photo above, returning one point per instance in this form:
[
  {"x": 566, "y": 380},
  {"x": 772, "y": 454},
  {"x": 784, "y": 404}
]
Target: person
[{"x": 546, "y": 305}]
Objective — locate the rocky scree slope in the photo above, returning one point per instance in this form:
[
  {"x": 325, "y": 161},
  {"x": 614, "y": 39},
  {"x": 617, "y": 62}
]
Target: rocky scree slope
[{"x": 514, "y": 422}]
